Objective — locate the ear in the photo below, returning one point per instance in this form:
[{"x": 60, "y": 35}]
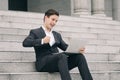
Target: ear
[{"x": 46, "y": 17}]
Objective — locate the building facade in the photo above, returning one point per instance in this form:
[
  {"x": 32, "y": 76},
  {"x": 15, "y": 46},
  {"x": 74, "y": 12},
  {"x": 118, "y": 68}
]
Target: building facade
[{"x": 106, "y": 8}]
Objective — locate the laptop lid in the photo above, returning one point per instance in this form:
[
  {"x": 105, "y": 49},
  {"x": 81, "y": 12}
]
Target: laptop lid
[{"x": 75, "y": 44}]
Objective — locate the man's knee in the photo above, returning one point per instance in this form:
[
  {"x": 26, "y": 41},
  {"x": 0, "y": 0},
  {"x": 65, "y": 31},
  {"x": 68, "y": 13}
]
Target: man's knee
[
  {"x": 62, "y": 56},
  {"x": 81, "y": 57}
]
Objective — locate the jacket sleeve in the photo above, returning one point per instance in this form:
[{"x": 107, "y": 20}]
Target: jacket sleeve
[
  {"x": 62, "y": 44},
  {"x": 31, "y": 40}
]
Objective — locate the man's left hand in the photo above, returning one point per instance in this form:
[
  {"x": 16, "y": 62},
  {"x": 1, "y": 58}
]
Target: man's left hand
[{"x": 82, "y": 50}]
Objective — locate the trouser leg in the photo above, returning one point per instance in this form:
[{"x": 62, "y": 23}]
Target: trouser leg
[
  {"x": 57, "y": 62},
  {"x": 63, "y": 68},
  {"x": 80, "y": 62}
]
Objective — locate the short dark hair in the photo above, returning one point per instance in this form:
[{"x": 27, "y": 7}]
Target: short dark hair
[{"x": 50, "y": 12}]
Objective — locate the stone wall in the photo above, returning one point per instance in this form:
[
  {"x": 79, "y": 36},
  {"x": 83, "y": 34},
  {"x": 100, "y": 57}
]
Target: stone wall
[{"x": 63, "y": 6}]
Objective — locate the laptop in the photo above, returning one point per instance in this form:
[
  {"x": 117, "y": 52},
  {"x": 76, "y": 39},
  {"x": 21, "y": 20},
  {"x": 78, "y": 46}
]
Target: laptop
[{"x": 75, "y": 44}]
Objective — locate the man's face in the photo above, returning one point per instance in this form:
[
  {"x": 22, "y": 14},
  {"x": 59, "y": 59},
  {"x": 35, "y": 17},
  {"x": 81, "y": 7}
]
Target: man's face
[{"x": 51, "y": 21}]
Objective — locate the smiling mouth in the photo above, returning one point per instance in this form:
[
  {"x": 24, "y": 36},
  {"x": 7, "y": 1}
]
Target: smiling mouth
[{"x": 52, "y": 25}]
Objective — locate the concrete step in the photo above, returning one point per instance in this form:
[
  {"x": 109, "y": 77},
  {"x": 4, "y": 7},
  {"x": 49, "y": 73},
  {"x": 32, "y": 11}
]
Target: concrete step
[
  {"x": 93, "y": 33},
  {"x": 13, "y": 46},
  {"x": 7, "y": 56},
  {"x": 64, "y": 29},
  {"x": 92, "y": 39},
  {"x": 12, "y": 38},
  {"x": 113, "y": 75},
  {"x": 15, "y": 61},
  {"x": 35, "y": 76},
  {"x": 94, "y": 16},
  {"x": 102, "y": 57},
  {"x": 17, "y": 56},
  {"x": 16, "y": 66},
  {"x": 29, "y": 20},
  {"x": 14, "y": 31},
  {"x": 18, "y": 17},
  {"x": 17, "y": 46},
  {"x": 29, "y": 66}
]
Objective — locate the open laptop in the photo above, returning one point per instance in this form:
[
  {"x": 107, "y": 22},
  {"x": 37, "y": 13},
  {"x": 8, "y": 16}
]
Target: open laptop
[{"x": 75, "y": 44}]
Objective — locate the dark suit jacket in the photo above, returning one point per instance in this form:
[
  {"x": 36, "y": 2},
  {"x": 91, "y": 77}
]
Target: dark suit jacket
[{"x": 42, "y": 50}]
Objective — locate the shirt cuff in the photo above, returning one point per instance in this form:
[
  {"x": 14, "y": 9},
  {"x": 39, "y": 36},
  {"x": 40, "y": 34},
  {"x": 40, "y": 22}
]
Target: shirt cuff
[{"x": 42, "y": 41}]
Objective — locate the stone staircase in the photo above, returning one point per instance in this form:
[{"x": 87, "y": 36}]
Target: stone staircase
[{"x": 102, "y": 50}]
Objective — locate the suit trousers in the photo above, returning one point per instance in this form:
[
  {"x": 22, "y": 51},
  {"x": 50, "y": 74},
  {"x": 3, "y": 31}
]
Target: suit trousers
[{"x": 63, "y": 63}]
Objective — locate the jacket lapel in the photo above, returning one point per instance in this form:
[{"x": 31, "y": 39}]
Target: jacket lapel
[
  {"x": 56, "y": 38},
  {"x": 41, "y": 32}
]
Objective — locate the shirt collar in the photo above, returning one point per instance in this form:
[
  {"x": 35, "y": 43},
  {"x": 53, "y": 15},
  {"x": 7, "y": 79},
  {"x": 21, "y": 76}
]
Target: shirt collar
[{"x": 45, "y": 29}]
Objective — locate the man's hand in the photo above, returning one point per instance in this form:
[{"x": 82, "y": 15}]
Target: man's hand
[
  {"x": 46, "y": 39},
  {"x": 82, "y": 50}
]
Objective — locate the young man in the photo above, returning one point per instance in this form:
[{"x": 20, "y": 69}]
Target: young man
[{"x": 46, "y": 41}]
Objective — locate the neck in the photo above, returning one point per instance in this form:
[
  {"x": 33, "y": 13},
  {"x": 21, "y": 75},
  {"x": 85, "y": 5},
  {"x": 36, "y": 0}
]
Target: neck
[{"x": 48, "y": 29}]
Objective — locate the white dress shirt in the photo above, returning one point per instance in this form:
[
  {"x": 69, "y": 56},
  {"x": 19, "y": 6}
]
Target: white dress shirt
[{"x": 50, "y": 34}]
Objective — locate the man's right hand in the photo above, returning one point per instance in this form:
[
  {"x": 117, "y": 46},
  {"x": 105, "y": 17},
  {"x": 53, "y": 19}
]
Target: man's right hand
[{"x": 46, "y": 39}]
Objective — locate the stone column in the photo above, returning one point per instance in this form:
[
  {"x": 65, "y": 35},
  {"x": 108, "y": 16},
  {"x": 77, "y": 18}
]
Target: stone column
[
  {"x": 80, "y": 7},
  {"x": 98, "y": 7},
  {"x": 3, "y": 4}
]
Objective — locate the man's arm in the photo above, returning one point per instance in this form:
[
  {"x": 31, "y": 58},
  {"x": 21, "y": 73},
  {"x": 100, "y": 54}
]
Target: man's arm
[
  {"x": 31, "y": 41},
  {"x": 62, "y": 44}
]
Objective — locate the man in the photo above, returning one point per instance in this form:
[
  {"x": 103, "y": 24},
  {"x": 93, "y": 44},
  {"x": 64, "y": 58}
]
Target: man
[{"x": 46, "y": 41}]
